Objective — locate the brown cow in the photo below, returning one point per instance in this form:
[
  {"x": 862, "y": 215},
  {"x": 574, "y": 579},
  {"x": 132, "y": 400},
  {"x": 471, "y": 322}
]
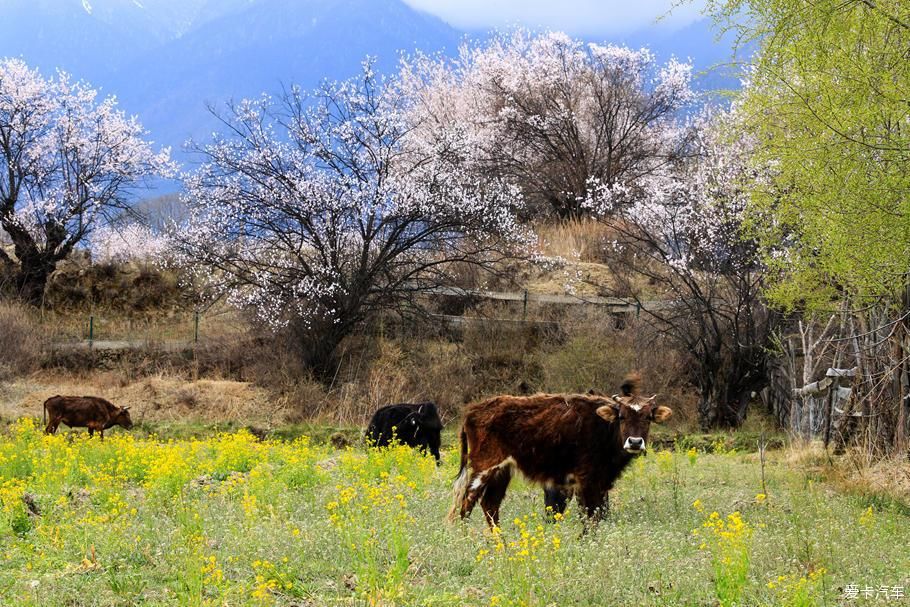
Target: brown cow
[
  {"x": 84, "y": 412},
  {"x": 571, "y": 442}
]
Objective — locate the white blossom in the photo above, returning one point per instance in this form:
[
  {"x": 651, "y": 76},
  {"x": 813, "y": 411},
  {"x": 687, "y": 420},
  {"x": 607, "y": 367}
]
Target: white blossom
[
  {"x": 132, "y": 242},
  {"x": 317, "y": 208},
  {"x": 68, "y": 162},
  {"x": 553, "y": 115}
]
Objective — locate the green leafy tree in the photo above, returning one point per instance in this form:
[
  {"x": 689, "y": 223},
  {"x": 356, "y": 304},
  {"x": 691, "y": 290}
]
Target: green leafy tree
[{"x": 828, "y": 97}]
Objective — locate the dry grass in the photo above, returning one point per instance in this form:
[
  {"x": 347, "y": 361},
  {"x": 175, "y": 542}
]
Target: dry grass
[
  {"x": 257, "y": 379},
  {"x": 150, "y": 326},
  {"x": 581, "y": 239},
  {"x": 853, "y": 471},
  {"x": 21, "y": 341}
]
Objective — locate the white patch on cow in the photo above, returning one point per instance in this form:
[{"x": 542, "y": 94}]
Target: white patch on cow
[
  {"x": 481, "y": 478},
  {"x": 636, "y": 407}
]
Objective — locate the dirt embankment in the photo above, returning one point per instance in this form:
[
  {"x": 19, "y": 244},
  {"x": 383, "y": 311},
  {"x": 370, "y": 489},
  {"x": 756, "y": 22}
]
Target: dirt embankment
[{"x": 152, "y": 399}]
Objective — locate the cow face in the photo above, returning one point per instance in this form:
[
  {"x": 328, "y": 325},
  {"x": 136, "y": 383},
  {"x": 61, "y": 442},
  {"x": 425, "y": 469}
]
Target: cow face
[
  {"x": 421, "y": 428},
  {"x": 122, "y": 418},
  {"x": 634, "y": 416}
]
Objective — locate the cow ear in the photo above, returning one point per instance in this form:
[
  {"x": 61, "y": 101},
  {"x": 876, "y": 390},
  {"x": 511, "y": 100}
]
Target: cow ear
[
  {"x": 662, "y": 414},
  {"x": 607, "y": 412}
]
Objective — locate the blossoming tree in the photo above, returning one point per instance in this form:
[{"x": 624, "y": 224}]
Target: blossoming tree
[
  {"x": 322, "y": 211},
  {"x": 685, "y": 231},
  {"x": 555, "y": 115},
  {"x": 68, "y": 164},
  {"x": 599, "y": 130}
]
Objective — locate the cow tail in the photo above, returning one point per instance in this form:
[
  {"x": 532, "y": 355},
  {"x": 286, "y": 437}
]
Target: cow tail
[
  {"x": 460, "y": 488},
  {"x": 44, "y": 414}
]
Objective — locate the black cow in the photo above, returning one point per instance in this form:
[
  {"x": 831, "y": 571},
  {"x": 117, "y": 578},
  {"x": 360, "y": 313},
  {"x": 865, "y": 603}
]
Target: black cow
[{"x": 416, "y": 425}]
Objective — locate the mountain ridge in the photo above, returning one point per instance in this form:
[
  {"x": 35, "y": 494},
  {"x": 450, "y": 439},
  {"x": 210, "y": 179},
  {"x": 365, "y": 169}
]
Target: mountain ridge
[{"x": 166, "y": 60}]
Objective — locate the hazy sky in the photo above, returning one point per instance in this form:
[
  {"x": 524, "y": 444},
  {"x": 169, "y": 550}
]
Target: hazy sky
[{"x": 580, "y": 17}]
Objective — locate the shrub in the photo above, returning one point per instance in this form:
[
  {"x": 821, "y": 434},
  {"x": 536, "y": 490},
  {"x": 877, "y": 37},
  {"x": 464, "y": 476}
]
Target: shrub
[{"x": 20, "y": 343}]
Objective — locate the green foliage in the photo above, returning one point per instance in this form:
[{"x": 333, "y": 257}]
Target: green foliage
[{"x": 827, "y": 103}]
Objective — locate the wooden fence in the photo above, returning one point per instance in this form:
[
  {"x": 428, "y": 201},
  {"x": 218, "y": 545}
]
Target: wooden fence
[
  {"x": 615, "y": 304},
  {"x": 98, "y": 339}
]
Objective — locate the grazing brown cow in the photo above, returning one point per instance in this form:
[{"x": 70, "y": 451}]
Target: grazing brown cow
[
  {"x": 570, "y": 442},
  {"x": 84, "y": 412}
]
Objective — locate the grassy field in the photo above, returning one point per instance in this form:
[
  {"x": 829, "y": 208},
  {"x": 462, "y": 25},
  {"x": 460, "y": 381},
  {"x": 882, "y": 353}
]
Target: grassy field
[{"x": 228, "y": 520}]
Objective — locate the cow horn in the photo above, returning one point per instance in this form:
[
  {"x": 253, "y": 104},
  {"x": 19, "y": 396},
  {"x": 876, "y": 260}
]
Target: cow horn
[
  {"x": 125, "y": 408},
  {"x": 652, "y": 398}
]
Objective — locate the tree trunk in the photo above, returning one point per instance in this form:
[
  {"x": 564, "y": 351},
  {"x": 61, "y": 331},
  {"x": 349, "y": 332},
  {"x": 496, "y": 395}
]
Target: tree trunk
[
  {"x": 35, "y": 261},
  {"x": 317, "y": 344},
  {"x": 726, "y": 396},
  {"x": 32, "y": 277},
  {"x": 708, "y": 404}
]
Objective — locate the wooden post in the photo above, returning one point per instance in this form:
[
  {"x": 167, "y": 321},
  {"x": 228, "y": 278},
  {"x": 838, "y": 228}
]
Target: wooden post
[
  {"x": 524, "y": 309},
  {"x": 91, "y": 330},
  {"x": 831, "y": 394},
  {"x": 835, "y": 375},
  {"x": 196, "y": 328}
]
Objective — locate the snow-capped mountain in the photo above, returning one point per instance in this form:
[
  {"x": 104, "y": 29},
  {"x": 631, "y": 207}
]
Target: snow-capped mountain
[{"x": 167, "y": 59}]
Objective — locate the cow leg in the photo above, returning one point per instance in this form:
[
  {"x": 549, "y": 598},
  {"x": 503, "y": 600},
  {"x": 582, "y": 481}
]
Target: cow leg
[
  {"x": 91, "y": 432},
  {"x": 473, "y": 493},
  {"x": 555, "y": 500},
  {"x": 495, "y": 491},
  {"x": 434, "y": 451},
  {"x": 480, "y": 481},
  {"x": 101, "y": 432},
  {"x": 595, "y": 504},
  {"x": 52, "y": 425}
]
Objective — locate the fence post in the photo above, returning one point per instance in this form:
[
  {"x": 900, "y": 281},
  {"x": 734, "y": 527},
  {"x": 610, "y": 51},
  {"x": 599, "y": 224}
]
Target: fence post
[
  {"x": 196, "y": 328},
  {"x": 524, "y": 309},
  {"x": 91, "y": 330}
]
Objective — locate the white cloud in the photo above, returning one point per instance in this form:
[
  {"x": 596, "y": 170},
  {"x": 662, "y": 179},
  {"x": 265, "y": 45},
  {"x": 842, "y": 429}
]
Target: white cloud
[{"x": 579, "y": 17}]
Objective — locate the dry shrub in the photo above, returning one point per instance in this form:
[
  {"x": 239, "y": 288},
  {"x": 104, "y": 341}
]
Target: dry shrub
[
  {"x": 594, "y": 354},
  {"x": 418, "y": 370},
  {"x": 584, "y": 239},
  {"x": 128, "y": 287},
  {"x": 238, "y": 357},
  {"x": 187, "y": 397},
  {"x": 377, "y": 371},
  {"x": 442, "y": 372},
  {"x": 599, "y": 350},
  {"x": 663, "y": 369},
  {"x": 20, "y": 342},
  {"x": 387, "y": 381},
  {"x": 502, "y": 356},
  {"x": 304, "y": 399}
]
